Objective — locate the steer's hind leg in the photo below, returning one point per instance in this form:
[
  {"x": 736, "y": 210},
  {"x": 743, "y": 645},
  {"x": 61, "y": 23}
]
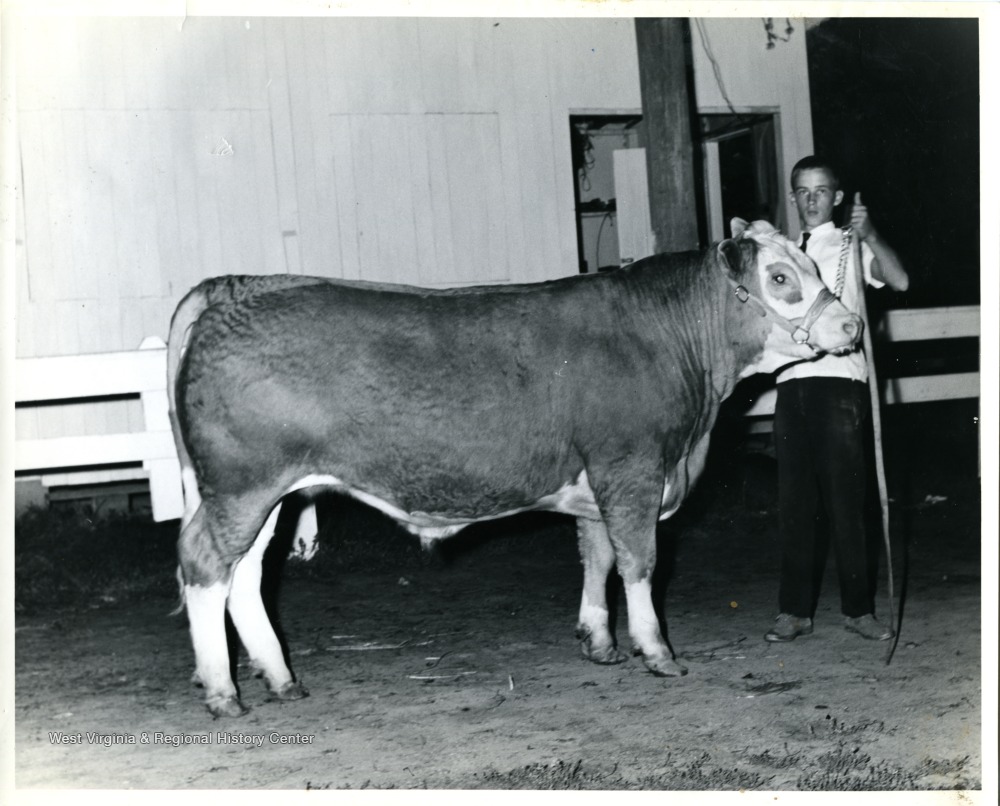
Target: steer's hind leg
[
  {"x": 252, "y": 622},
  {"x": 598, "y": 558},
  {"x": 632, "y": 529},
  {"x": 206, "y": 587}
]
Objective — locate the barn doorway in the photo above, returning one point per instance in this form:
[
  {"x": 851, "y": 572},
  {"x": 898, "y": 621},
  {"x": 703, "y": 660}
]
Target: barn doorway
[{"x": 741, "y": 177}]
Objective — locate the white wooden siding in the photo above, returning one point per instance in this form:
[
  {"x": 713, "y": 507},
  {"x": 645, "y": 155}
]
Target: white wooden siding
[
  {"x": 135, "y": 207},
  {"x": 419, "y": 199},
  {"x": 420, "y": 150}
]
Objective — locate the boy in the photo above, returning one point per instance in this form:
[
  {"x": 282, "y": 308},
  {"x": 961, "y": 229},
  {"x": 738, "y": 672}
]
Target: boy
[{"x": 819, "y": 423}]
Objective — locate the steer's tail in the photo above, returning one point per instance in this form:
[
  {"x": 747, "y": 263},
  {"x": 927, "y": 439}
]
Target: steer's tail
[
  {"x": 195, "y": 302},
  {"x": 181, "y": 598},
  {"x": 190, "y": 308}
]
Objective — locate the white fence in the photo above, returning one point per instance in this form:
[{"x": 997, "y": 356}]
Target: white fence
[
  {"x": 61, "y": 460},
  {"x": 914, "y": 324},
  {"x": 68, "y": 460}
]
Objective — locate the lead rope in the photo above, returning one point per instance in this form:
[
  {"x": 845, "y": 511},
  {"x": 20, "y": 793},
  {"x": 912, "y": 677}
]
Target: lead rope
[{"x": 876, "y": 406}]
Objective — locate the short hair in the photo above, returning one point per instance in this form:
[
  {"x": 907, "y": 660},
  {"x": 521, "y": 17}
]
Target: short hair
[{"x": 815, "y": 163}]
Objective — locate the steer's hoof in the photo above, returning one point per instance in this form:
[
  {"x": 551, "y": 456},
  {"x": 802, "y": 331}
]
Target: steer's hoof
[
  {"x": 604, "y": 655},
  {"x": 226, "y": 706},
  {"x": 664, "y": 667},
  {"x": 293, "y": 690},
  {"x": 598, "y": 651}
]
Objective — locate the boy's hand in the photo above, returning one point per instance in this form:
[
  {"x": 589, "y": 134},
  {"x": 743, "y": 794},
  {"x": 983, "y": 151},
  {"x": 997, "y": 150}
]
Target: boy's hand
[{"x": 859, "y": 219}]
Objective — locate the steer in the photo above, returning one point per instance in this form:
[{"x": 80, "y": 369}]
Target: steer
[{"x": 591, "y": 395}]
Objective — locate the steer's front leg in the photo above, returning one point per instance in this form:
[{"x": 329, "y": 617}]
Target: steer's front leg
[
  {"x": 644, "y": 626},
  {"x": 631, "y": 523}
]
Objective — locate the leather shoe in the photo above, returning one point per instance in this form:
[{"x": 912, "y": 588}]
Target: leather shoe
[
  {"x": 869, "y": 627},
  {"x": 788, "y": 627}
]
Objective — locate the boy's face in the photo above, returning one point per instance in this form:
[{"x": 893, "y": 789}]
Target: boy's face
[{"x": 815, "y": 194}]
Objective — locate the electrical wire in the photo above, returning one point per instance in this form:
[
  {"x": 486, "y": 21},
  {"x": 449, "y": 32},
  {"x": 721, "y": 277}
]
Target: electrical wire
[{"x": 715, "y": 65}]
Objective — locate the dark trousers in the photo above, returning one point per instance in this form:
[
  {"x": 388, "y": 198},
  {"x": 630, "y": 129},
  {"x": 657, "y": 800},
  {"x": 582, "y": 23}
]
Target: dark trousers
[{"x": 819, "y": 433}]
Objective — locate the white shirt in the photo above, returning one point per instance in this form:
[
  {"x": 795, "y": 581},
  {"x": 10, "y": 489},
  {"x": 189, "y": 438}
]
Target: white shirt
[{"x": 824, "y": 246}]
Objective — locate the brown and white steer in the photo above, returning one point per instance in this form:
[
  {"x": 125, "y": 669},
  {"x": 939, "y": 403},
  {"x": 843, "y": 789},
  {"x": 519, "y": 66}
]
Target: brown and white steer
[{"x": 591, "y": 395}]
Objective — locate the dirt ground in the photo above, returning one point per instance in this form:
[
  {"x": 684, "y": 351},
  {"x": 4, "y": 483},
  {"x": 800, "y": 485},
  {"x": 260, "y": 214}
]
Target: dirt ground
[{"x": 465, "y": 673}]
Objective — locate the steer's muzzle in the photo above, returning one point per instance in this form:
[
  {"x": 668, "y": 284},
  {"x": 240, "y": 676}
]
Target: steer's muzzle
[{"x": 853, "y": 327}]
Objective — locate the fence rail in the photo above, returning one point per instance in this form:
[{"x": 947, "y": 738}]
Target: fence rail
[
  {"x": 912, "y": 324},
  {"x": 141, "y": 372}
]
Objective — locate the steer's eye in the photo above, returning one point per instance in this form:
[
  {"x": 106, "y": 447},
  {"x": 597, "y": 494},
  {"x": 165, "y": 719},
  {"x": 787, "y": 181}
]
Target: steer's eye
[{"x": 780, "y": 275}]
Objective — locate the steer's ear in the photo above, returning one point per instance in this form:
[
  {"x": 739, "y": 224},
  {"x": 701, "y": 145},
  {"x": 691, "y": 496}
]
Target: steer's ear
[
  {"x": 738, "y": 227},
  {"x": 731, "y": 258}
]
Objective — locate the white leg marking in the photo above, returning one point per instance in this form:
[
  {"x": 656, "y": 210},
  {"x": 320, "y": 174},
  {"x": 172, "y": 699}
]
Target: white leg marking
[
  {"x": 247, "y": 610},
  {"x": 643, "y": 625},
  {"x": 206, "y": 609},
  {"x": 593, "y": 617}
]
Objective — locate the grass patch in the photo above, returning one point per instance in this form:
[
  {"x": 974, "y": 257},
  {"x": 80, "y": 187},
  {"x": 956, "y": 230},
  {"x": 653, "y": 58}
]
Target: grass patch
[
  {"x": 846, "y": 777},
  {"x": 66, "y": 558},
  {"x": 692, "y": 775},
  {"x": 560, "y": 775}
]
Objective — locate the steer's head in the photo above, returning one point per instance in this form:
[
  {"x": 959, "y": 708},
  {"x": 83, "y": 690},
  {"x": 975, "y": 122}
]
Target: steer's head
[{"x": 775, "y": 278}]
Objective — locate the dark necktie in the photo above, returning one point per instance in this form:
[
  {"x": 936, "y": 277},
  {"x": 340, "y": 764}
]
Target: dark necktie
[{"x": 805, "y": 240}]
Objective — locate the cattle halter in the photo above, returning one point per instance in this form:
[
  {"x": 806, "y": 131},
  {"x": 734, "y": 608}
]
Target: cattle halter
[{"x": 799, "y": 328}]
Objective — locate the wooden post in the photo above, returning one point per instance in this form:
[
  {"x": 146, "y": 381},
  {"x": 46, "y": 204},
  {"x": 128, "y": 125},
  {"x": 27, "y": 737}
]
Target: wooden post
[{"x": 663, "y": 79}]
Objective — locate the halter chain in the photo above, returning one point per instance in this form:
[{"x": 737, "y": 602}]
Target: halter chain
[{"x": 845, "y": 248}]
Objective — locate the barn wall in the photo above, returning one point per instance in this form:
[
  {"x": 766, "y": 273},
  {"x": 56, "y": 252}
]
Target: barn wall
[{"x": 157, "y": 152}]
